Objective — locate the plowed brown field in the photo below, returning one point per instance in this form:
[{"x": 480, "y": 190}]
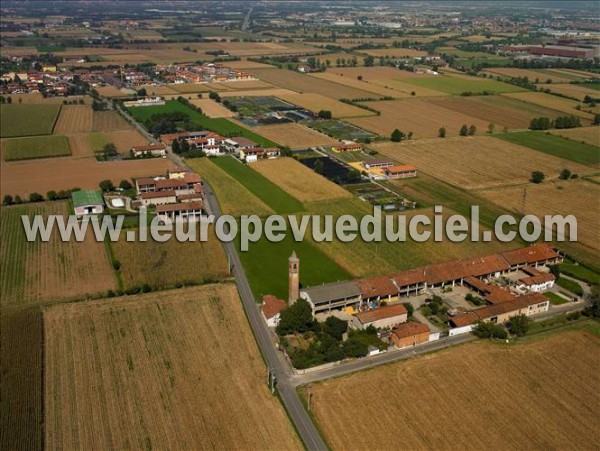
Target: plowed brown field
[{"x": 179, "y": 370}]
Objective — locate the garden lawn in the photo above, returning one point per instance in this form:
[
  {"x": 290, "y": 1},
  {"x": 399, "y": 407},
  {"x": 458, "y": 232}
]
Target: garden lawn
[
  {"x": 218, "y": 125},
  {"x": 272, "y": 195},
  {"x": 558, "y": 146}
]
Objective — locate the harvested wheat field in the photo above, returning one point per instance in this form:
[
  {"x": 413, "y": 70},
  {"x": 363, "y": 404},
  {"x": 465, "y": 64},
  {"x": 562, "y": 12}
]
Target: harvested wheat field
[
  {"x": 414, "y": 115},
  {"x": 170, "y": 263},
  {"x": 125, "y": 139},
  {"x": 504, "y": 113},
  {"x": 110, "y": 91},
  {"x": 534, "y": 395},
  {"x": 108, "y": 121},
  {"x": 299, "y": 181},
  {"x": 241, "y": 85},
  {"x": 80, "y": 145},
  {"x": 180, "y": 370},
  {"x": 589, "y": 135},
  {"x": 395, "y": 52},
  {"x": 570, "y": 90},
  {"x": 550, "y": 101},
  {"x": 191, "y": 88},
  {"x": 533, "y": 75},
  {"x": 298, "y": 82},
  {"x": 477, "y": 162},
  {"x": 161, "y": 90},
  {"x": 317, "y": 102},
  {"x": 295, "y": 136},
  {"x": 275, "y": 92},
  {"x": 26, "y": 177},
  {"x": 574, "y": 197},
  {"x": 46, "y": 271},
  {"x": 211, "y": 108},
  {"x": 376, "y": 90},
  {"x": 246, "y": 64},
  {"x": 74, "y": 119}
]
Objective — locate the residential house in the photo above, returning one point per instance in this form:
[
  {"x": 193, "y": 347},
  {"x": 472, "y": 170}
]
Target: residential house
[
  {"x": 271, "y": 309},
  {"x": 186, "y": 211},
  {"x": 382, "y": 317},
  {"x": 155, "y": 150},
  {"x": 409, "y": 334}
]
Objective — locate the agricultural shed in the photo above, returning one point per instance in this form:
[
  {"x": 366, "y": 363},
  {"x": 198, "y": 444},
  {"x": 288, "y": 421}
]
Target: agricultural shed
[{"x": 87, "y": 202}]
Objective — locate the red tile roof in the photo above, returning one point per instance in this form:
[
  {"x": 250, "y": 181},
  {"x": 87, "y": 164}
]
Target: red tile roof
[
  {"x": 410, "y": 277},
  {"x": 389, "y": 311},
  {"x": 400, "y": 169},
  {"x": 377, "y": 286},
  {"x": 186, "y": 206},
  {"x": 410, "y": 329},
  {"x": 157, "y": 194},
  {"x": 271, "y": 306},
  {"x": 464, "y": 319},
  {"x": 532, "y": 254}
]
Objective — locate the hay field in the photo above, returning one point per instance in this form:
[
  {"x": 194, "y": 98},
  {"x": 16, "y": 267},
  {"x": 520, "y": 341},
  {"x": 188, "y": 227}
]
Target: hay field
[
  {"x": 376, "y": 89},
  {"x": 531, "y": 74},
  {"x": 549, "y": 101},
  {"x": 180, "y": 370},
  {"x": 395, "y": 52},
  {"x": 386, "y": 78},
  {"x": 316, "y": 102},
  {"x": 74, "y": 119},
  {"x": 504, "y": 113},
  {"x": 212, "y": 109},
  {"x": 576, "y": 197},
  {"x": 108, "y": 121},
  {"x": 170, "y": 263},
  {"x": 574, "y": 91},
  {"x": 234, "y": 199},
  {"x": 477, "y": 162},
  {"x": 295, "y": 136},
  {"x": 589, "y": 135},
  {"x": 298, "y": 180},
  {"x": 421, "y": 117},
  {"x": 532, "y": 395},
  {"x": 25, "y": 177},
  {"x": 298, "y": 82},
  {"x": 39, "y": 272}
]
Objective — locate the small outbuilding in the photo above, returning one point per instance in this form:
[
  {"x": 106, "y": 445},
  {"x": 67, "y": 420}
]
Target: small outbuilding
[{"x": 87, "y": 202}]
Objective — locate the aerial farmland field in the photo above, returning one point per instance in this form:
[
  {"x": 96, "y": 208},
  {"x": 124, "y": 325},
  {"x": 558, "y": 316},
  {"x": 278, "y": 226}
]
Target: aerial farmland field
[
  {"x": 534, "y": 394},
  {"x": 177, "y": 351},
  {"x": 33, "y": 147},
  {"x": 42, "y": 272},
  {"x": 589, "y": 135},
  {"x": 298, "y": 180},
  {"x": 570, "y": 90},
  {"x": 459, "y": 84},
  {"x": 317, "y": 102},
  {"x": 477, "y": 162},
  {"x": 419, "y": 116},
  {"x": 27, "y": 119},
  {"x": 170, "y": 263},
  {"x": 294, "y": 135},
  {"x": 550, "y": 101},
  {"x": 109, "y": 121},
  {"x": 74, "y": 119}
]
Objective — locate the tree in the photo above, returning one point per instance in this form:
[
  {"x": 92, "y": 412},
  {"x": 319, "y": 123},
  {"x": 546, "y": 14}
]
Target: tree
[
  {"x": 537, "y": 177},
  {"x": 325, "y": 114},
  {"x": 397, "y": 136},
  {"x": 18, "y": 199},
  {"x": 464, "y": 130},
  {"x": 472, "y": 130},
  {"x": 52, "y": 195},
  {"x": 594, "y": 309},
  {"x": 409, "y": 308},
  {"x": 8, "y": 200},
  {"x": 335, "y": 327},
  {"x": 359, "y": 78},
  {"x": 490, "y": 330},
  {"x": 442, "y": 132},
  {"x": 369, "y": 61},
  {"x": 142, "y": 92},
  {"x": 491, "y": 128},
  {"x": 297, "y": 318},
  {"x": 519, "y": 325},
  {"x": 125, "y": 185},
  {"x": 175, "y": 147},
  {"x": 184, "y": 146},
  {"x": 110, "y": 150},
  {"x": 106, "y": 185},
  {"x": 36, "y": 197},
  {"x": 565, "y": 174},
  {"x": 596, "y": 118}
]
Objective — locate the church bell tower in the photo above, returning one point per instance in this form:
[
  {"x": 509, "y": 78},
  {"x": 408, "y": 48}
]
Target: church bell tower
[{"x": 294, "y": 278}]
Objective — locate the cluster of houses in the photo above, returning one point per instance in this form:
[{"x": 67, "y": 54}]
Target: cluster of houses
[
  {"x": 378, "y": 168},
  {"x": 213, "y": 144},
  {"x": 48, "y": 79},
  {"x": 178, "y": 196},
  {"x": 376, "y": 301}
]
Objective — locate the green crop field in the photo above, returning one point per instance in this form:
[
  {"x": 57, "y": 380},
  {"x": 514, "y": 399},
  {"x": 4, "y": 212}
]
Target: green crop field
[
  {"x": 555, "y": 145},
  {"x": 97, "y": 141},
  {"x": 36, "y": 147},
  {"x": 219, "y": 125},
  {"x": 27, "y": 120},
  {"x": 455, "y": 85},
  {"x": 276, "y": 198},
  {"x": 266, "y": 266},
  {"x": 580, "y": 272}
]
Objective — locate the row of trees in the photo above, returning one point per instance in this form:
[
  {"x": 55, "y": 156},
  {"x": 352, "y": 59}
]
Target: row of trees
[
  {"x": 544, "y": 123},
  {"x": 37, "y": 197},
  {"x": 517, "y": 325},
  {"x": 107, "y": 185}
]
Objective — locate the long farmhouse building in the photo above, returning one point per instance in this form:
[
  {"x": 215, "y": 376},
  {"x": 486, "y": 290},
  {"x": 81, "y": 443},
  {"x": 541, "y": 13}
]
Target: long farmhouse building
[{"x": 370, "y": 292}]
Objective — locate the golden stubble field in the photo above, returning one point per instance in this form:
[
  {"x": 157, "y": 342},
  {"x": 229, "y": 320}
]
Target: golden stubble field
[
  {"x": 589, "y": 135},
  {"x": 171, "y": 370},
  {"x": 299, "y": 181},
  {"x": 294, "y": 135},
  {"x": 574, "y": 197},
  {"x": 45, "y": 271},
  {"x": 74, "y": 119},
  {"x": 477, "y": 162},
  {"x": 534, "y": 395},
  {"x": 542, "y": 99}
]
